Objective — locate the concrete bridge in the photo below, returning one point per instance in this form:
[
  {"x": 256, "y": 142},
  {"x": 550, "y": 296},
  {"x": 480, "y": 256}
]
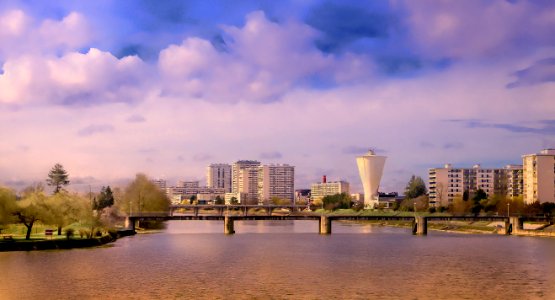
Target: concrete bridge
[
  {"x": 419, "y": 223},
  {"x": 220, "y": 209}
]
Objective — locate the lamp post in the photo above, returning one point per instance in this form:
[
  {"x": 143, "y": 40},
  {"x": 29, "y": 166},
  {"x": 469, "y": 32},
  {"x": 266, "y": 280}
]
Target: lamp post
[{"x": 508, "y": 209}]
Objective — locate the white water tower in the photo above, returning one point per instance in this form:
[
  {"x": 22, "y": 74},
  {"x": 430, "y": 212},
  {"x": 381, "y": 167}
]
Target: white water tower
[{"x": 370, "y": 168}]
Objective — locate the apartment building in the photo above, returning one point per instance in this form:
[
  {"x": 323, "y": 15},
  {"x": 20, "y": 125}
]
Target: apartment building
[
  {"x": 447, "y": 183},
  {"x": 219, "y": 176},
  {"x": 276, "y": 181},
  {"x": 539, "y": 176},
  {"x": 325, "y": 188},
  {"x": 245, "y": 180}
]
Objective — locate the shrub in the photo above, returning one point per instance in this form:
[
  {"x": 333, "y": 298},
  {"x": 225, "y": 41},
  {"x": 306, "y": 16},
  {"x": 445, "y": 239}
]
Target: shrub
[{"x": 69, "y": 233}]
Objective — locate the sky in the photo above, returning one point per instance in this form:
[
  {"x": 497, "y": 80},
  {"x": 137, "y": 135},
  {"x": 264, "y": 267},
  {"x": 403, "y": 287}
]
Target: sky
[{"x": 111, "y": 88}]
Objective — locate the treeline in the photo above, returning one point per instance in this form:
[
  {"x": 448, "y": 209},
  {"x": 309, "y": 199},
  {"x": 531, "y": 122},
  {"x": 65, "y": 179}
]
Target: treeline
[{"x": 91, "y": 212}]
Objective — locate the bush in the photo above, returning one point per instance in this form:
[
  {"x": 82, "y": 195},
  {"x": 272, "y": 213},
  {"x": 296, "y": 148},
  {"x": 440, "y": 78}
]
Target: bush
[{"x": 69, "y": 233}]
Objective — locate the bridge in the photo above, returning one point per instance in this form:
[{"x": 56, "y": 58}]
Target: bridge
[{"x": 231, "y": 213}]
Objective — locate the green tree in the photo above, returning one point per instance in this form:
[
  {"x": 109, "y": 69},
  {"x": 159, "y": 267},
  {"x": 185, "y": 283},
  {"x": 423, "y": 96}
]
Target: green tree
[
  {"x": 104, "y": 199},
  {"x": 233, "y": 200},
  {"x": 141, "y": 195},
  {"x": 415, "y": 187},
  {"x": 478, "y": 201},
  {"x": 61, "y": 210},
  {"x": 57, "y": 177},
  {"x": 219, "y": 200},
  {"x": 31, "y": 208},
  {"x": 337, "y": 201},
  {"x": 7, "y": 206}
]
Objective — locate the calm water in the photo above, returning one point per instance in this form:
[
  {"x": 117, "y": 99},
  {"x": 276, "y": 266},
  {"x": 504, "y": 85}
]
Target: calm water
[{"x": 193, "y": 259}]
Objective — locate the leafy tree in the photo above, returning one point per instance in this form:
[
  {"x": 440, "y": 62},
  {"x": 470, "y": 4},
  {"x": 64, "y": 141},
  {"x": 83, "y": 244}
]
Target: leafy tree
[
  {"x": 415, "y": 187},
  {"x": 105, "y": 199},
  {"x": 219, "y": 200},
  {"x": 337, "y": 201},
  {"x": 141, "y": 195},
  {"x": 31, "y": 209},
  {"x": 233, "y": 200},
  {"x": 548, "y": 208},
  {"x": 192, "y": 199},
  {"x": 477, "y": 200},
  {"x": 419, "y": 203},
  {"x": 279, "y": 201},
  {"x": 61, "y": 210},
  {"x": 57, "y": 177},
  {"x": 7, "y": 206}
]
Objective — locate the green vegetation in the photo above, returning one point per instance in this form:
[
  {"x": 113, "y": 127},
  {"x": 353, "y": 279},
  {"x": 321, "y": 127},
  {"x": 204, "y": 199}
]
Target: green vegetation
[
  {"x": 337, "y": 201},
  {"x": 57, "y": 177},
  {"x": 27, "y": 214},
  {"x": 415, "y": 187},
  {"x": 141, "y": 195}
]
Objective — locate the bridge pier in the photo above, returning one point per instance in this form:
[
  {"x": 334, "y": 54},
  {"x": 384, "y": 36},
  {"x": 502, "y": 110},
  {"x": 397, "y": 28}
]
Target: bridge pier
[
  {"x": 269, "y": 211},
  {"x": 130, "y": 223},
  {"x": 517, "y": 223},
  {"x": 325, "y": 225},
  {"x": 228, "y": 225},
  {"x": 195, "y": 210},
  {"x": 421, "y": 225}
]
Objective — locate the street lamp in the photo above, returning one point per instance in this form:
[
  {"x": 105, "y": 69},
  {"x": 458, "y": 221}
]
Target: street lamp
[{"x": 508, "y": 209}]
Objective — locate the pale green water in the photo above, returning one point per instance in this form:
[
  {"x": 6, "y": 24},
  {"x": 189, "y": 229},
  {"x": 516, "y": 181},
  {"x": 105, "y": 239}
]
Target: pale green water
[{"x": 193, "y": 259}]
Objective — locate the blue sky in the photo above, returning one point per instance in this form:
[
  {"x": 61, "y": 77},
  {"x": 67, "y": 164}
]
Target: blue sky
[{"x": 111, "y": 88}]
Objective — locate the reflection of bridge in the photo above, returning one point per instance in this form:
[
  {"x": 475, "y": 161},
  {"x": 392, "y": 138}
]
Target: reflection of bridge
[{"x": 231, "y": 213}]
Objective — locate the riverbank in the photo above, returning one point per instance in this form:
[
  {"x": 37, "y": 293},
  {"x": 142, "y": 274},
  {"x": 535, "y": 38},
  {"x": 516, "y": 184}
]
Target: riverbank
[{"x": 53, "y": 244}]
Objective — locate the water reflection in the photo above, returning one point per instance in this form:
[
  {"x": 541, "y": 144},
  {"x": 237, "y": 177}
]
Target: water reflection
[{"x": 274, "y": 259}]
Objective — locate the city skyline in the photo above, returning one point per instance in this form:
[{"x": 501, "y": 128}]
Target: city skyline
[{"x": 124, "y": 87}]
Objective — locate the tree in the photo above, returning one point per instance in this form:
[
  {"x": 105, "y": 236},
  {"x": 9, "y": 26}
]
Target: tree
[
  {"x": 57, "y": 177},
  {"x": 337, "y": 201},
  {"x": 477, "y": 200},
  {"x": 105, "y": 199},
  {"x": 31, "y": 208},
  {"x": 61, "y": 210},
  {"x": 7, "y": 206},
  {"x": 219, "y": 200},
  {"x": 415, "y": 187},
  {"x": 141, "y": 195},
  {"x": 233, "y": 200}
]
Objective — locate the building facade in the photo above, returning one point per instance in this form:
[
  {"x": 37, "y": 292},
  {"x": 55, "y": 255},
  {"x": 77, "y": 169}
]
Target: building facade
[
  {"x": 219, "y": 176},
  {"x": 276, "y": 181},
  {"x": 245, "y": 180},
  {"x": 539, "y": 176},
  {"x": 324, "y": 188},
  {"x": 447, "y": 183}
]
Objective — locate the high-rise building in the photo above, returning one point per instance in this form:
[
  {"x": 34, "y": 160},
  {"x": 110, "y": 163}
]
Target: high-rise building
[
  {"x": 370, "y": 168},
  {"x": 161, "y": 183},
  {"x": 447, "y": 183},
  {"x": 245, "y": 180},
  {"x": 539, "y": 176},
  {"x": 325, "y": 188},
  {"x": 219, "y": 176},
  {"x": 276, "y": 181}
]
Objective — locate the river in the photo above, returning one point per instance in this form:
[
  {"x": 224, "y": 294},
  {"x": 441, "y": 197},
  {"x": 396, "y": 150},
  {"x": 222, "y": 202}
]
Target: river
[{"x": 287, "y": 259}]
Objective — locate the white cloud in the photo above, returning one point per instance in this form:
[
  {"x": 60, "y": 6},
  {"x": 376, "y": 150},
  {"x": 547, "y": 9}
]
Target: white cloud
[
  {"x": 261, "y": 61},
  {"x": 74, "y": 78}
]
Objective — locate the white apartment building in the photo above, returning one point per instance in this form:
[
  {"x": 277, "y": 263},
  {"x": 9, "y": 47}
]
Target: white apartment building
[
  {"x": 324, "y": 188},
  {"x": 276, "y": 181},
  {"x": 161, "y": 183},
  {"x": 245, "y": 180},
  {"x": 539, "y": 176},
  {"x": 447, "y": 183},
  {"x": 219, "y": 176}
]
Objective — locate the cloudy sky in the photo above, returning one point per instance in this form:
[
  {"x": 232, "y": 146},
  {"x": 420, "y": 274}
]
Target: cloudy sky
[{"x": 112, "y": 88}]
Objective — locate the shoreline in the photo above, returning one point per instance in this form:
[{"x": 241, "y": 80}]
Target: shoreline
[{"x": 62, "y": 244}]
